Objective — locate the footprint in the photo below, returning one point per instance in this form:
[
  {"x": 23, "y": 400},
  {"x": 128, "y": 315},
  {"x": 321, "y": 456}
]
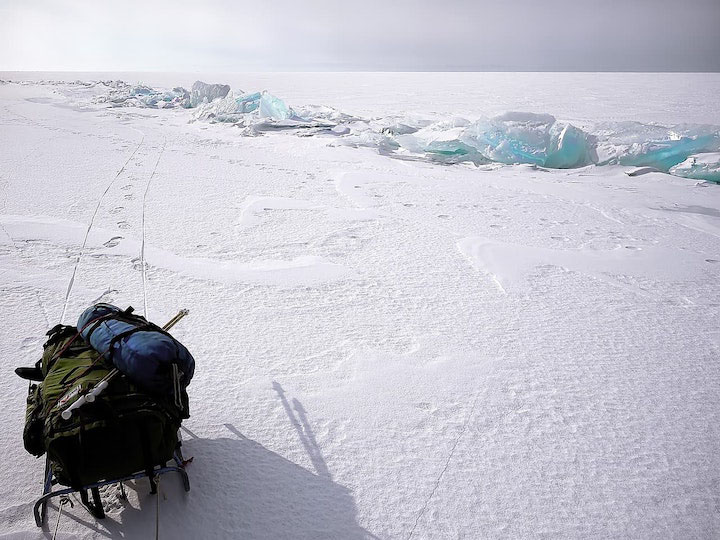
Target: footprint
[
  {"x": 28, "y": 343},
  {"x": 117, "y": 209},
  {"x": 408, "y": 205},
  {"x": 105, "y": 296},
  {"x": 129, "y": 197},
  {"x": 123, "y": 225},
  {"x": 712, "y": 260},
  {"x": 113, "y": 500},
  {"x": 114, "y": 241},
  {"x": 443, "y": 216},
  {"x": 125, "y": 188}
]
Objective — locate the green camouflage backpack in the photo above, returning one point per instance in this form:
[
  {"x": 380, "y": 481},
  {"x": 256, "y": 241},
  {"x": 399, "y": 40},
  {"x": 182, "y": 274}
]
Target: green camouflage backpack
[{"x": 124, "y": 431}]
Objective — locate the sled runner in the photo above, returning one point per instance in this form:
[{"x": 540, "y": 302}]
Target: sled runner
[
  {"x": 95, "y": 506},
  {"x": 109, "y": 399}
]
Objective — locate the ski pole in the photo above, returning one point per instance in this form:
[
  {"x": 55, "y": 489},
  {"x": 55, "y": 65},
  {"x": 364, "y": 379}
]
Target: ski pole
[{"x": 98, "y": 389}]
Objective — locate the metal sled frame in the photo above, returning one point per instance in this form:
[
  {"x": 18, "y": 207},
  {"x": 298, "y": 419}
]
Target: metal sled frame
[{"x": 95, "y": 507}]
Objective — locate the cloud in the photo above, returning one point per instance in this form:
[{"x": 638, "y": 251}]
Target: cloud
[{"x": 222, "y": 35}]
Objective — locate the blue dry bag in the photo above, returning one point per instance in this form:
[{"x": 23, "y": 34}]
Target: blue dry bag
[{"x": 144, "y": 352}]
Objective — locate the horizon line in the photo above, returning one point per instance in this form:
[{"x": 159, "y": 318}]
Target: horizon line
[{"x": 354, "y": 71}]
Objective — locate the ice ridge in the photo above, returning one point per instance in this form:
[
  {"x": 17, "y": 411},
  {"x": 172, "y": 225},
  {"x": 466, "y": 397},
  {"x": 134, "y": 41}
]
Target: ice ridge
[{"x": 511, "y": 138}]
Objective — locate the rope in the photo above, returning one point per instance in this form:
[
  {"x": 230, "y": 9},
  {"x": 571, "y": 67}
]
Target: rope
[
  {"x": 79, "y": 332},
  {"x": 87, "y": 369},
  {"x": 87, "y": 232},
  {"x": 100, "y": 356},
  {"x": 439, "y": 479},
  {"x": 142, "y": 245},
  {"x": 157, "y": 507},
  {"x": 63, "y": 501},
  {"x": 447, "y": 465}
]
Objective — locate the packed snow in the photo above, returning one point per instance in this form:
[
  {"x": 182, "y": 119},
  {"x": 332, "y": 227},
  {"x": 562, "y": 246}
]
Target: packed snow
[{"x": 492, "y": 315}]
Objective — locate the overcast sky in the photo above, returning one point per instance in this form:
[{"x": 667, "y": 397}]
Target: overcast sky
[{"x": 405, "y": 35}]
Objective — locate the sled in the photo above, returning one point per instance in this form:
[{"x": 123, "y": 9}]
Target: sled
[{"x": 95, "y": 506}]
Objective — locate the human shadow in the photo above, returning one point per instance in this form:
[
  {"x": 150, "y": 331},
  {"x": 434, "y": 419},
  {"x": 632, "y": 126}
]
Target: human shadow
[
  {"x": 298, "y": 419},
  {"x": 240, "y": 489}
]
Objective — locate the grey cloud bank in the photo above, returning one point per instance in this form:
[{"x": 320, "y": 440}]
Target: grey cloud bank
[{"x": 556, "y": 35}]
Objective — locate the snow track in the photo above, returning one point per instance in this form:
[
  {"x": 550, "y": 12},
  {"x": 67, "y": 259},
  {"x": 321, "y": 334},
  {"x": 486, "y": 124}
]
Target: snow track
[
  {"x": 90, "y": 225},
  {"x": 142, "y": 246}
]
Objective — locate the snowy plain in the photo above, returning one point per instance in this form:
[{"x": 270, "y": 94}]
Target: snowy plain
[{"x": 385, "y": 348}]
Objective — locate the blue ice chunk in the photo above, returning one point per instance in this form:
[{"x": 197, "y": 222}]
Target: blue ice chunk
[
  {"x": 273, "y": 107},
  {"x": 537, "y": 139},
  {"x": 247, "y": 102},
  {"x": 653, "y": 145},
  {"x": 206, "y": 93},
  {"x": 150, "y": 100},
  {"x": 146, "y": 96},
  {"x": 141, "y": 90},
  {"x": 664, "y": 154},
  {"x": 453, "y": 152},
  {"x": 505, "y": 140},
  {"x": 569, "y": 147},
  {"x": 540, "y": 139},
  {"x": 703, "y": 166},
  {"x": 179, "y": 96}
]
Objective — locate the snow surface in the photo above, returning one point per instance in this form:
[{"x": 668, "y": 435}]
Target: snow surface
[{"x": 385, "y": 348}]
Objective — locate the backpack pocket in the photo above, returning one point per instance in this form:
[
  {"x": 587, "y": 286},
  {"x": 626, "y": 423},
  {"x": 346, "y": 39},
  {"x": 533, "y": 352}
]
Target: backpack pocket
[{"x": 34, "y": 423}]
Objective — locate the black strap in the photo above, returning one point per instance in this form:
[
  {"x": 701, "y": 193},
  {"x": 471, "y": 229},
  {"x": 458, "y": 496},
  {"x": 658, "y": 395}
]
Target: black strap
[
  {"x": 147, "y": 457},
  {"x": 55, "y": 329},
  {"x": 125, "y": 315},
  {"x": 123, "y": 335},
  {"x": 74, "y": 475},
  {"x": 90, "y": 331},
  {"x": 87, "y": 369},
  {"x": 57, "y": 333}
]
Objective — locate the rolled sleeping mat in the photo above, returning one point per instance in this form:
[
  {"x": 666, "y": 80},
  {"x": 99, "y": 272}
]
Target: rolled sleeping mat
[{"x": 141, "y": 350}]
